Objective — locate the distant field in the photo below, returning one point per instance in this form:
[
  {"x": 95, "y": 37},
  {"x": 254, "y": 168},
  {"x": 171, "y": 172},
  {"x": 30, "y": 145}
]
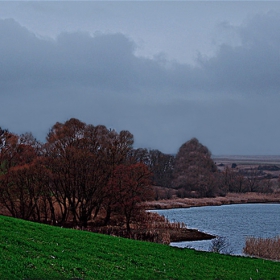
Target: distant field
[
  {"x": 35, "y": 251},
  {"x": 250, "y": 160}
]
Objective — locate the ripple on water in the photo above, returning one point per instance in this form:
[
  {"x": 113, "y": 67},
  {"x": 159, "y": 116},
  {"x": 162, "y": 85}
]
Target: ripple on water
[{"x": 235, "y": 222}]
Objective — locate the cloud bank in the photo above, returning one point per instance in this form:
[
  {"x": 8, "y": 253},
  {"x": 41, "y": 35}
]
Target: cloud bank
[{"x": 229, "y": 101}]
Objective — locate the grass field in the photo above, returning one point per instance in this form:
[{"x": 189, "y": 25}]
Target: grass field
[{"x": 36, "y": 251}]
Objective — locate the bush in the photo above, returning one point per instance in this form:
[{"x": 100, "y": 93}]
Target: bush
[{"x": 220, "y": 245}]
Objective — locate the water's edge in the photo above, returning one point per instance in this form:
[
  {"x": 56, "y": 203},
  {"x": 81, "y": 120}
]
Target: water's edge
[
  {"x": 234, "y": 222},
  {"x": 230, "y": 198}
]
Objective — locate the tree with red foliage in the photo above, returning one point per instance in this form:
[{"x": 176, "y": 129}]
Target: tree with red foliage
[
  {"x": 17, "y": 150},
  {"x": 129, "y": 185},
  {"x": 80, "y": 170},
  {"x": 21, "y": 177},
  {"x": 82, "y": 159},
  {"x": 72, "y": 166},
  {"x": 9, "y": 144},
  {"x": 22, "y": 188}
]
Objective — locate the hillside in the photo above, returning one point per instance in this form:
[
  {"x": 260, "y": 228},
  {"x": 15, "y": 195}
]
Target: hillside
[{"x": 36, "y": 251}]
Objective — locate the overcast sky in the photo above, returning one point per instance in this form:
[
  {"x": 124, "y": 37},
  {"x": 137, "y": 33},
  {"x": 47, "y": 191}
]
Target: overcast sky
[{"x": 165, "y": 71}]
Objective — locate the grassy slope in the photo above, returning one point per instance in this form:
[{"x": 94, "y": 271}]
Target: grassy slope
[{"x": 36, "y": 251}]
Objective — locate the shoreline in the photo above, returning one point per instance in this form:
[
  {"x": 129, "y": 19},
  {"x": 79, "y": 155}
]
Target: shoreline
[
  {"x": 230, "y": 198},
  {"x": 190, "y": 234}
]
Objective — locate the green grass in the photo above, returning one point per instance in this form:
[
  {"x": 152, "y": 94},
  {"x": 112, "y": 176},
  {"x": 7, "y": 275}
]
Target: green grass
[{"x": 36, "y": 251}]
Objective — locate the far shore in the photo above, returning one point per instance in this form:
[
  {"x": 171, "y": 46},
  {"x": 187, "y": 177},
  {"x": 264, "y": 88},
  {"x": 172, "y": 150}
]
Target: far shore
[{"x": 230, "y": 198}]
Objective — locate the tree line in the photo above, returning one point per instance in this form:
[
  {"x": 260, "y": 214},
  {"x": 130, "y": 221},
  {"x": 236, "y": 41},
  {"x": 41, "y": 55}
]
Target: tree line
[
  {"x": 83, "y": 170},
  {"x": 195, "y": 174},
  {"x": 80, "y": 170}
]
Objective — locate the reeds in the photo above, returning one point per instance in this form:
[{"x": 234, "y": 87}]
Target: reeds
[
  {"x": 150, "y": 227},
  {"x": 267, "y": 248}
]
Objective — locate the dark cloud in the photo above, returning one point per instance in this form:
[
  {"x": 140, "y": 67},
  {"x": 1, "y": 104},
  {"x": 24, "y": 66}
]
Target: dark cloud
[
  {"x": 70, "y": 59},
  {"x": 254, "y": 65},
  {"x": 107, "y": 61},
  {"x": 228, "y": 101}
]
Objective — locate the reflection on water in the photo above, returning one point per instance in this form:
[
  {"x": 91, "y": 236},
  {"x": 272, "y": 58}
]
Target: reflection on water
[{"x": 234, "y": 222}]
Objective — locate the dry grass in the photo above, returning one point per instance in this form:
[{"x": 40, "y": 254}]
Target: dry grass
[
  {"x": 153, "y": 227},
  {"x": 267, "y": 248},
  {"x": 230, "y": 198},
  {"x": 149, "y": 227}
]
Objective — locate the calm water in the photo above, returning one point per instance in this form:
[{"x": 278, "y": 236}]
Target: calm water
[{"x": 234, "y": 222}]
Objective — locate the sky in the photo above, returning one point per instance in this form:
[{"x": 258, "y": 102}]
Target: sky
[{"x": 167, "y": 71}]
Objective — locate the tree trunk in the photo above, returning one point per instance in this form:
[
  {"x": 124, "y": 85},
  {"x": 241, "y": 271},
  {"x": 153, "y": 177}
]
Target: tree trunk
[{"x": 108, "y": 216}]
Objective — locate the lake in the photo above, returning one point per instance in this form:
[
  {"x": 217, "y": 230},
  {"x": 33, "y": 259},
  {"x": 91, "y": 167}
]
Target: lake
[{"x": 234, "y": 222}]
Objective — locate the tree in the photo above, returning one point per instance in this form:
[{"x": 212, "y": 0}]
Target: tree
[
  {"x": 22, "y": 188},
  {"x": 232, "y": 181},
  {"x": 252, "y": 179},
  {"x": 80, "y": 170},
  {"x": 76, "y": 159},
  {"x": 162, "y": 166},
  {"x": 9, "y": 156},
  {"x": 139, "y": 155},
  {"x": 266, "y": 186},
  {"x": 194, "y": 170},
  {"x": 21, "y": 176},
  {"x": 220, "y": 245},
  {"x": 63, "y": 141},
  {"x": 3, "y": 136},
  {"x": 129, "y": 185},
  {"x": 82, "y": 159}
]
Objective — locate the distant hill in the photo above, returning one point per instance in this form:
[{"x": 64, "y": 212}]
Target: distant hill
[{"x": 243, "y": 159}]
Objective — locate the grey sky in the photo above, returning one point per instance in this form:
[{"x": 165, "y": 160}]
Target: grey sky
[{"x": 165, "y": 71}]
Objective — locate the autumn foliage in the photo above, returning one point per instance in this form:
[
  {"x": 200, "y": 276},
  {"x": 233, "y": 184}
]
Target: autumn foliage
[
  {"x": 128, "y": 186},
  {"x": 85, "y": 174},
  {"x": 81, "y": 171}
]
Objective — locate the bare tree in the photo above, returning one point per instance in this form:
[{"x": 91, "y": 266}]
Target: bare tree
[
  {"x": 82, "y": 160},
  {"x": 129, "y": 185},
  {"x": 220, "y": 245}
]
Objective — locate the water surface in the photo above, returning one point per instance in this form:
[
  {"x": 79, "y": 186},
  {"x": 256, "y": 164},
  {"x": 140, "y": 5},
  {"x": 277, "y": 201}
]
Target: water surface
[{"x": 234, "y": 222}]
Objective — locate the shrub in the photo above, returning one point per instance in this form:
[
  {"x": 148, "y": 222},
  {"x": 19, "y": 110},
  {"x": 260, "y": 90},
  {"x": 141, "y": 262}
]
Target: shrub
[{"x": 220, "y": 245}]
